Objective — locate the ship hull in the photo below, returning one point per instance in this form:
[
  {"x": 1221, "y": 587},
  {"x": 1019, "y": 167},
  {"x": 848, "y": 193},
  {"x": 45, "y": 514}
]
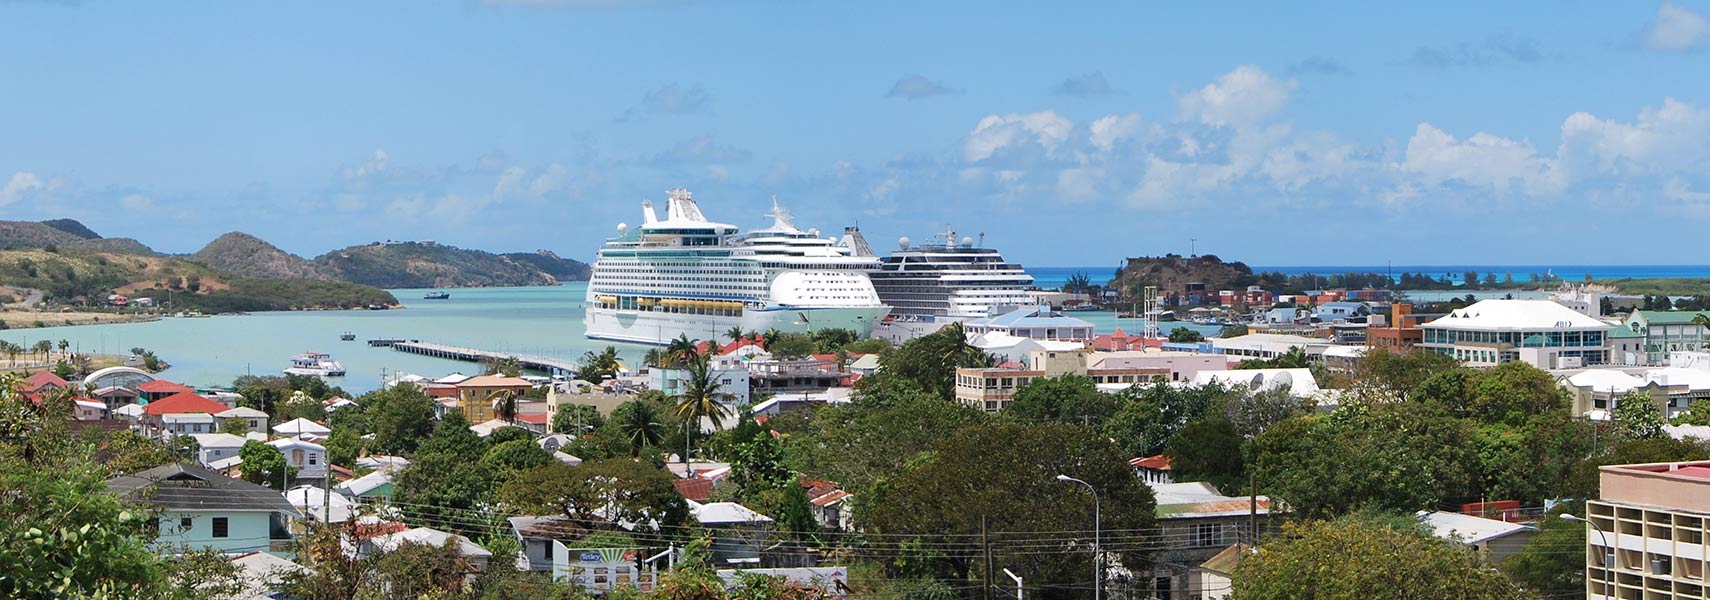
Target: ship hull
[{"x": 659, "y": 328}]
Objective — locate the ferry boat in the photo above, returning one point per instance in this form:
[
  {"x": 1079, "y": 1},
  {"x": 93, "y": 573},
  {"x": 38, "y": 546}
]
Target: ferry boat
[
  {"x": 686, "y": 275},
  {"x": 347, "y": 337},
  {"x": 436, "y": 295},
  {"x": 949, "y": 279},
  {"x": 319, "y": 364}
]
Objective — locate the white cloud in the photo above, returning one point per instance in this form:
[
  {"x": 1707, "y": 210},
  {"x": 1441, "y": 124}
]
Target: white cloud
[
  {"x": 1106, "y": 131},
  {"x": 1499, "y": 163},
  {"x": 23, "y": 183},
  {"x": 136, "y": 202},
  {"x": 1243, "y": 96},
  {"x": 997, "y": 132},
  {"x": 1678, "y": 28},
  {"x": 1675, "y": 137}
]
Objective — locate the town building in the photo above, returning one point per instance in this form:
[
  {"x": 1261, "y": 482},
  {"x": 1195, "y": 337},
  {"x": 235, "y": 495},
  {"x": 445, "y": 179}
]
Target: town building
[
  {"x": 1037, "y": 322},
  {"x": 200, "y": 508},
  {"x": 1006, "y": 347},
  {"x": 253, "y": 420},
  {"x": 1495, "y": 540},
  {"x": 812, "y": 374},
  {"x": 1665, "y": 331},
  {"x": 991, "y": 389},
  {"x": 1398, "y": 330},
  {"x": 1200, "y": 522},
  {"x": 730, "y": 374},
  {"x": 476, "y": 395},
  {"x": 1299, "y": 382},
  {"x": 1152, "y": 469},
  {"x": 1182, "y": 366},
  {"x": 1671, "y": 389},
  {"x": 168, "y": 414},
  {"x": 1540, "y": 333},
  {"x": 160, "y": 389},
  {"x": 1646, "y": 536},
  {"x": 1337, "y": 312},
  {"x": 215, "y": 447},
  {"x": 1268, "y": 345},
  {"x": 308, "y": 458}
]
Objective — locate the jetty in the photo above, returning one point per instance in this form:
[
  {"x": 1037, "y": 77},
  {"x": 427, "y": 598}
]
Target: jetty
[{"x": 533, "y": 363}]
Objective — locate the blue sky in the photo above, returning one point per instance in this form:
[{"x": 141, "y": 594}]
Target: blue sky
[{"x": 1274, "y": 133}]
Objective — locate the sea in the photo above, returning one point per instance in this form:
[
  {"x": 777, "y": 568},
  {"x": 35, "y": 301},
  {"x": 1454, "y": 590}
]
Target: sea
[
  {"x": 538, "y": 321},
  {"x": 1053, "y": 277}
]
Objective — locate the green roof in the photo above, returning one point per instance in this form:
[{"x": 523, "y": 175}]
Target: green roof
[
  {"x": 1668, "y": 317},
  {"x": 1624, "y": 331}
]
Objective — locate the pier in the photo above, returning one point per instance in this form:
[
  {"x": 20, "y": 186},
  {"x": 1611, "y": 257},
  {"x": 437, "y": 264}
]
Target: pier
[{"x": 531, "y": 363}]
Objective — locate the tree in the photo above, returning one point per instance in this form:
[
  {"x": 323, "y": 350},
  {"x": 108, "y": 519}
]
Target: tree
[
  {"x": 1004, "y": 476},
  {"x": 1232, "y": 330},
  {"x": 1398, "y": 457},
  {"x": 576, "y": 419},
  {"x": 612, "y": 490},
  {"x": 680, "y": 350},
  {"x": 873, "y": 438},
  {"x": 453, "y": 436},
  {"x": 237, "y": 427},
  {"x": 1184, "y": 335},
  {"x": 1553, "y": 562},
  {"x": 1383, "y": 375},
  {"x": 343, "y": 447},
  {"x": 1067, "y": 398},
  {"x": 443, "y": 487},
  {"x": 504, "y": 404},
  {"x": 640, "y": 424},
  {"x": 509, "y": 458},
  {"x": 400, "y": 416},
  {"x": 1149, "y": 416},
  {"x": 597, "y": 366},
  {"x": 264, "y": 464},
  {"x": 929, "y": 362},
  {"x": 734, "y": 334},
  {"x": 759, "y": 465},
  {"x": 791, "y": 346},
  {"x": 1637, "y": 418},
  {"x": 1358, "y": 559},
  {"x": 1208, "y": 449},
  {"x": 42, "y": 348},
  {"x": 702, "y": 396}
]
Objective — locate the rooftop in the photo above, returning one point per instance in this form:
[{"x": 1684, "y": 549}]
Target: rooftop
[
  {"x": 162, "y": 386},
  {"x": 1504, "y": 315},
  {"x": 184, "y": 402},
  {"x": 189, "y": 487},
  {"x": 1667, "y": 317},
  {"x": 1468, "y": 528}
]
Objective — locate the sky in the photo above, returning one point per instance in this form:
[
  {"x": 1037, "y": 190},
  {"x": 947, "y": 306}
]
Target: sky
[{"x": 1069, "y": 134}]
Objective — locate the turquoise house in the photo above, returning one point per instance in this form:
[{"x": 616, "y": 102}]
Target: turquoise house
[{"x": 199, "y": 508}]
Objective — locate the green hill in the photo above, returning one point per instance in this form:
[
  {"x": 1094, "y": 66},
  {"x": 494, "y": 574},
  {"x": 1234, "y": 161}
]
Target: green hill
[
  {"x": 563, "y": 269},
  {"x": 73, "y": 227},
  {"x": 28, "y": 234},
  {"x": 80, "y": 277},
  {"x": 430, "y": 265},
  {"x": 245, "y": 255},
  {"x": 1172, "y": 272}
]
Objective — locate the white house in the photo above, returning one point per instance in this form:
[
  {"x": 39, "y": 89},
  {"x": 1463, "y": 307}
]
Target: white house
[
  {"x": 187, "y": 423},
  {"x": 309, "y": 458},
  {"x": 216, "y": 447},
  {"x": 730, "y": 374},
  {"x": 254, "y": 419},
  {"x": 1496, "y": 540}
]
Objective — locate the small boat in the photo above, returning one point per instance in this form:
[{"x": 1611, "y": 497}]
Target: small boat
[
  {"x": 347, "y": 336},
  {"x": 436, "y": 295},
  {"x": 376, "y": 307},
  {"x": 319, "y": 364}
]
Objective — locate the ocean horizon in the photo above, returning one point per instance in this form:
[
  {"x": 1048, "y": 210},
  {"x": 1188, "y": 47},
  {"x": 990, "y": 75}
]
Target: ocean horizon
[{"x": 1053, "y": 277}]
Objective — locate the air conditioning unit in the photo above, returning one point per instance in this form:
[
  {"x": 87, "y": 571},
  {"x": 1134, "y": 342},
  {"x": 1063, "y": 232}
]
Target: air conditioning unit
[{"x": 1660, "y": 565}]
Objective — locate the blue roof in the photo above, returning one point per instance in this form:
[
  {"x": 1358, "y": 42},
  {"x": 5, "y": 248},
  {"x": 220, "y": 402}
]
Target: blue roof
[{"x": 1028, "y": 317}]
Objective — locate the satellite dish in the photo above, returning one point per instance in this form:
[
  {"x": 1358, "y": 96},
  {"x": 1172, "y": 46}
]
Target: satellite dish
[
  {"x": 1258, "y": 381},
  {"x": 903, "y": 242},
  {"x": 1281, "y": 381},
  {"x": 813, "y": 232},
  {"x": 967, "y": 242},
  {"x": 622, "y": 229}
]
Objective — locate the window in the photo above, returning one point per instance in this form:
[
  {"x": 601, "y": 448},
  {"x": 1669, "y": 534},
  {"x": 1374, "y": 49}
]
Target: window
[
  {"x": 184, "y": 524},
  {"x": 312, "y": 457},
  {"x": 548, "y": 549},
  {"x": 220, "y": 527},
  {"x": 1207, "y": 535}
]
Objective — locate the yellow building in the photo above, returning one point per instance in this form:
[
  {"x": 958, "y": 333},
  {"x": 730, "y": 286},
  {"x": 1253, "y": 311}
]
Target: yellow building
[
  {"x": 992, "y": 389},
  {"x": 475, "y": 395}
]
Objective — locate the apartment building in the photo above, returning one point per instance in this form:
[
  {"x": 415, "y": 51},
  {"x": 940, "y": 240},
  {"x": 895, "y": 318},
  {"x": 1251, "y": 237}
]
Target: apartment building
[
  {"x": 1646, "y": 536},
  {"x": 991, "y": 389}
]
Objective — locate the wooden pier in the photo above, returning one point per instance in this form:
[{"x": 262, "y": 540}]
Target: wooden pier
[{"x": 533, "y": 363}]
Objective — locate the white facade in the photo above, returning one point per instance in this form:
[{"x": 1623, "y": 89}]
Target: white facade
[
  {"x": 731, "y": 376},
  {"x": 1541, "y": 333},
  {"x": 213, "y": 447}
]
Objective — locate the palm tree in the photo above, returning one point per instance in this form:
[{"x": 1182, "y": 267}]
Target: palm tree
[
  {"x": 768, "y": 338},
  {"x": 12, "y": 351},
  {"x": 641, "y": 427},
  {"x": 680, "y": 351},
  {"x": 597, "y": 365},
  {"x": 43, "y": 347},
  {"x": 504, "y": 404},
  {"x": 734, "y": 333},
  {"x": 701, "y": 398},
  {"x": 653, "y": 358},
  {"x": 64, "y": 345}
]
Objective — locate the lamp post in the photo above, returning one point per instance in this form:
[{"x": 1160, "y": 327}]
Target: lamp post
[
  {"x": 1608, "y": 551},
  {"x": 1098, "y": 566}
]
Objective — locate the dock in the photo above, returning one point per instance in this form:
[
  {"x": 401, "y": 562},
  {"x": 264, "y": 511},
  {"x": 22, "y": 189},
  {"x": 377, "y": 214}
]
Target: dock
[{"x": 532, "y": 363}]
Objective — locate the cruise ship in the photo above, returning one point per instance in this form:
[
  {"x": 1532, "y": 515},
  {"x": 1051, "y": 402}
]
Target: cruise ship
[
  {"x": 686, "y": 275},
  {"x": 948, "y": 279}
]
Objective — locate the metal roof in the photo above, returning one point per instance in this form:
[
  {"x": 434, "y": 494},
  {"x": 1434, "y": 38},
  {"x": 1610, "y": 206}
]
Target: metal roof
[{"x": 190, "y": 487}]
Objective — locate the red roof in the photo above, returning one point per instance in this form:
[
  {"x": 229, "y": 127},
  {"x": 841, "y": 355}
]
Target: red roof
[
  {"x": 1693, "y": 471},
  {"x": 698, "y": 489},
  {"x": 184, "y": 402},
  {"x": 162, "y": 386},
  {"x": 1156, "y": 463},
  {"x": 539, "y": 418},
  {"x": 41, "y": 379}
]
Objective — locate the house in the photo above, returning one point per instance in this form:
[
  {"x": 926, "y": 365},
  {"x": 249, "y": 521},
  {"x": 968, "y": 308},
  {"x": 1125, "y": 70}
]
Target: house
[
  {"x": 300, "y": 427},
  {"x": 377, "y": 484},
  {"x": 536, "y": 423},
  {"x": 1204, "y": 522},
  {"x": 254, "y": 420},
  {"x": 1663, "y": 331},
  {"x": 161, "y": 389},
  {"x": 472, "y": 553},
  {"x": 537, "y": 535},
  {"x": 1152, "y": 469},
  {"x": 1037, "y": 322},
  {"x": 182, "y": 403},
  {"x": 88, "y": 410},
  {"x": 1337, "y": 312},
  {"x": 1182, "y": 366},
  {"x": 1006, "y": 347},
  {"x": 1540, "y": 333},
  {"x": 203, "y": 509},
  {"x": 730, "y": 374},
  {"x": 116, "y": 396},
  {"x": 42, "y": 381},
  {"x": 991, "y": 389},
  {"x": 1671, "y": 389},
  {"x": 1215, "y": 577},
  {"x": 214, "y": 447},
  {"x": 308, "y": 458},
  {"x": 381, "y": 461},
  {"x": 260, "y": 573},
  {"x": 320, "y": 505},
  {"x": 187, "y": 423},
  {"x": 476, "y": 395},
  {"x": 1495, "y": 540},
  {"x": 230, "y": 399},
  {"x": 738, "y": 533}
]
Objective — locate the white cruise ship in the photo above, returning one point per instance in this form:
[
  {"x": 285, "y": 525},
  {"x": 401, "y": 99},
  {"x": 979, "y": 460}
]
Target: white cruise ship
[
  {"x": 685, "y": 275},
  {"x": 948, "y": 279}
]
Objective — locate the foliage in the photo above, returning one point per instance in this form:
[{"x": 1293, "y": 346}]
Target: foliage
[
  {"x": 1386, "y": 375},
  {"x": 399, "y": 416},
  {"x": 597, "y": 365},
  {"x": 791, "y": 346},
  {"x": 1184, "y": 335},
  {"x": 236, "y": 427},
  {"x": 1697, "y": 413},
  {"x": 264, "y": 464},
  {"x": 1005, "y": 474},
  {"x": 343, "y": 447},
  {"x": 442, "y": 487},
  {"x": 1509, "y": 393},
  {"x": 1553, "y": 562},
  {"x": 576, "y": 419},
  {"x": 1637, "y": 418},
  {"x": 1294, "y": 358},
  {"x": 1353, "y": 559},
  {"x": 453, "y": 436},
  {"x": 872, "y": 439},
  {"x": 1067, "y": 398},
  {"x": 1400, "y": 457},
  {"x": 868, "y": 346},
  {"x": 508, "y": 458},
  {"x": 1208, "y": 449},
  {"x": 640, "y": 425},
  {"x": 929, "y": 362},
  {"x": 1583, "y": 481},
  {"x": 759, "y": 465},
  {"x": 702, "y": 396},
  {"x": 1233, "y": 330},
  {"x": 617, "y": 489},
  {"x": 1149, "y": 416}
]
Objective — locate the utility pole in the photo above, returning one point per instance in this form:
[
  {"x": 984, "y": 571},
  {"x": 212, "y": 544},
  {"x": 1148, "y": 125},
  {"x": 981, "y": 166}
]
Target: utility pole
[
  {"x": 326, "y": 491},
  {"x": 985, "y": 562}
]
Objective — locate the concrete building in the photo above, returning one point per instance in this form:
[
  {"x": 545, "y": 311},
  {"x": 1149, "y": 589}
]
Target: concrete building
[
  {"x": 203, "y": 509},
  {"x": 1495, "y": 540},
  {"x": 1540, "y": 333},
  {"x": 1665, "y": 331},
  {"x": 1182, "y": 366},
  {"x": 1268, "y": 345},
  {"x": 1037, "y": 322},
  {"x": 1201, "y": 522},
  {"x": 1649, "y": 536},
  {"x": 1008, "y": 347},
  {"x": 1398, "y": 330},
  {"x": 731, "y": 375},
  {"x": 1671, "y": 389},
  {"x": 475, "y": 395},
  {"x": 991, "y": 389}
]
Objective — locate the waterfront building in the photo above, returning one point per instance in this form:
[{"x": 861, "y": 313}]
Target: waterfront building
[
  {"x": 476, "y": 395},
  {"x": 1540, "y": 333},
  {"x": 200, "y": 508},
  {"x": 1665, "y": 331},
  {"x": 686, "y": 275},
  {"x": 1006, "y": 347},
  {"x": 730, "y": 374},
  {"x": 991, "y": 389},
  {"x": 1646, "y": 536},
  {"x": 1268, "y": 345},
  {"x": 1037, "y": 322},
  {"x": 1182, "y": 366}
]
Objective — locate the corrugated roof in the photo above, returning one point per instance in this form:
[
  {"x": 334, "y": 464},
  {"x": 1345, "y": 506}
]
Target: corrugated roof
[
  {"x": 1668, "y": 317},
  {"x": 191, "y": 487},
  {"x": 161, "y": 386},
  {"x": 184, "y": 402}
]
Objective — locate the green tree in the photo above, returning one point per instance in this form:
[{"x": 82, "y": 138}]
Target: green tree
[
  {"x": 1149, "y": 416},
  {"x": 453, "y": 436},
  {"x": 641, "y": 426},
  {"x": 1697, "y": 413},
  {"x": 1637, "y": 418},
  {"x": 618, "y": 489},
  {"x": 444, "y": 487},
  {"x": 1005, "y": 475},
  {"x": 791, "y": 346},
  {"x": 343, "y": 447},
  {"x": 1067, "y": 398},
  {"x": 928, "y": 363},
  {"x": 236, "y": 427},
  {"x": 598, "y": 365},
  {"x": 1355, "y": 559},
  {"x": 679, "y": 351},
  {"x": 1233, "y": 330},
  {"x": 734, "y": 334},
  {"x": 1553, "y": 563},
  {"x": 873, "y": 438},
  {"x": 400, "y": 417},
  {"x": 1383, "y": 375},
  {"x": 576, "y": 419},
  {"x": 1397, "y": 457},
  {"x": 509, "y": 458},
  {"x": 759, "y": 465},
  {"x": 1208, "y": 449},
  {"x": 702, "y": 397},
  {"x": 1184, "y": 335},
  {"x": 264, "y": 464}
]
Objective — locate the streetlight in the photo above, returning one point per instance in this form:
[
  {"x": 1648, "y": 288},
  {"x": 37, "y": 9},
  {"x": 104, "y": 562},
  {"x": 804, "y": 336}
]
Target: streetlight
[
  {"x": 1608, "y": 551},
  {"x": 1098, "y": 567}
]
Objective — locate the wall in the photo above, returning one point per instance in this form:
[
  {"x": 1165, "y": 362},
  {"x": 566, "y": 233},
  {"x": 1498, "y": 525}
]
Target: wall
[{"x": 246, "y": 531}]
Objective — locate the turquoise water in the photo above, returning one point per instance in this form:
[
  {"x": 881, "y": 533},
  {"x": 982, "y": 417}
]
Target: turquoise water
[{"x": 537, "y": 321}]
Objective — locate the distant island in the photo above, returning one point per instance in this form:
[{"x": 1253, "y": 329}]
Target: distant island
[{"x": 62, "y": 263}]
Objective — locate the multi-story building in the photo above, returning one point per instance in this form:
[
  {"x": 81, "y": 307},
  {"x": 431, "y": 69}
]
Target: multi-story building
[
  {"x": 991, "y": 389},
  {"x": 1646, "y": 536},
  {"x": 1666, "y": 331},
  {"x": 731, "y": 375},
  {"x": 1540, "y": 333},
  {"x": 476, "y": 395}
]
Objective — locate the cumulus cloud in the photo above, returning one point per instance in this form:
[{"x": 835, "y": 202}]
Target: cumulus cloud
[
  {"x": 670, "y": 99},
  {"x": 1090, "y": 84},
  {"x": 1045, "y": 130},
  {"x": 1675, "y": 137},
  {"x": 1105, "y": 132},
  {"x": 915, "y": 87},
  {"x": 700, "y": 150},
  {"x": 1318, "y": 65},
  {"x": 23, "y": 184},
  {"x": 1494, "y": 49},
  {"x": 1678, "y": 28},
  {"x": 1243, "y": 96},
  {"x": 1436, "y": 157}
]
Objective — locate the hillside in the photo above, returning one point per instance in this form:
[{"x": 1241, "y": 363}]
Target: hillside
[
  {"x": 427, "y": 265},
  {"x": 563, "y": 269},
  {"x": 73, "y": 227},
  {"x": 113, "y": 246},
  {"x": 79, "y": 277},
  {"x": 29, "y": 234},
  {"x": 245, "y": 255},
  {"x": 1173, "y": 272}
]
